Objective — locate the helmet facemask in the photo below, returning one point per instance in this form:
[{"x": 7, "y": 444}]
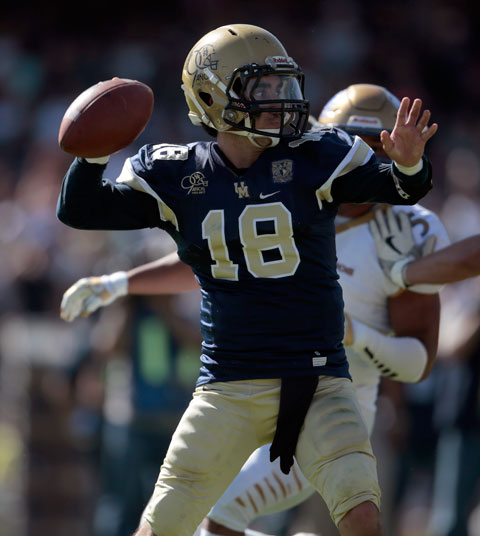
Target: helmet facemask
[{"x": 267, "y": 89}]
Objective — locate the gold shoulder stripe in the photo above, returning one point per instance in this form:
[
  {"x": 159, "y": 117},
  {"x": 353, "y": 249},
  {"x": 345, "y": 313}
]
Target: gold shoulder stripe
[
  {"x": 358, "y": 155},
  {"x": 362, "y": 156},
  {"x": 129, "y": 177}
]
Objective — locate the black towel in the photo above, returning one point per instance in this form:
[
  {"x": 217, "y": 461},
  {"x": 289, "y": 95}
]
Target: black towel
[{"x": 295, "y": 397}]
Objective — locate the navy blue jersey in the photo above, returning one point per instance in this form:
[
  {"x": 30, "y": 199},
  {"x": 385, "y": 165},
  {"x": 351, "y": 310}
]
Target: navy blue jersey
[{"x": 261, "y": 241}]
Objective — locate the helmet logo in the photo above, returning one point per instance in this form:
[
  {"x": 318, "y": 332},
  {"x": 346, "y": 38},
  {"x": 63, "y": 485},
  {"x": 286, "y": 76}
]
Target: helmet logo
[
  {"x": 361, "y": 120},
  {"x": 277, "y": 62},
  {"x": 201, "y": 59}
]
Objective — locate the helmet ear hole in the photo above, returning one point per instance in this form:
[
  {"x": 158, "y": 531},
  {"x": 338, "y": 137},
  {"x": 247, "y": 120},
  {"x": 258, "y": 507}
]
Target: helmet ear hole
[{"x": 206, "y": 98}]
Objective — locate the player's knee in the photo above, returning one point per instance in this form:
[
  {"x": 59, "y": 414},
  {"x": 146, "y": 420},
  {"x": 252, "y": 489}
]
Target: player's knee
[{"x": 362, "y": 520}]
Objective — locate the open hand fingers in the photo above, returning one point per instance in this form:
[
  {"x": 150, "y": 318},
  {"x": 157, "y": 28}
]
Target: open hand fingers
[
  {"x": 386, "y": 140},
  {"x": 393, "y": 224},
  {"x": 414, "y": 113},
  {"x": 428, "y": 245},
  {"x": 402, "y": 112},
  {"x": 427, "y": 134},
  {"x": 382, "y": 223},
  {"x": 404, "y": 224},
  {"x": 424, "y": 119}
]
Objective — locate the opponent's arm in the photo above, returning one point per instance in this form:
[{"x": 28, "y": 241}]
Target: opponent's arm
[
  {"x": 448, "y": 265},
  {"x": 409, "y": 354},
  {"x": 167, "y": 275},
  {"x": 417, "y": 316},
  {"x": 408, "y": 265}
]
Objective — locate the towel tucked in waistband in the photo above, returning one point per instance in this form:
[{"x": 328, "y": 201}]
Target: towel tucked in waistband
[{"x": 295, "y": 397}]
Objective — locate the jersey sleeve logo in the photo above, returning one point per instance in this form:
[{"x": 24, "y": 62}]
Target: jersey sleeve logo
[{"x": 195, "y": 183}]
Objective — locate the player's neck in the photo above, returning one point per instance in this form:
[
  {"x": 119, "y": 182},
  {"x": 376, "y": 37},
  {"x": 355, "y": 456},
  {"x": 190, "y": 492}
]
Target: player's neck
[{"x": 238, "y": 149}]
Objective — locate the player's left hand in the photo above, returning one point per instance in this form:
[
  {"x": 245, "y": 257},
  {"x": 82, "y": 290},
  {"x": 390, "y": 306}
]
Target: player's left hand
[{"x": 406, "y": 143}]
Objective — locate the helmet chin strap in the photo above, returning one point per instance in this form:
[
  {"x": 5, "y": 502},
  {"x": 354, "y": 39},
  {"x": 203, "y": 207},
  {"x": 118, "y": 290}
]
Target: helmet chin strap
[{"x": 253, "y": 137}]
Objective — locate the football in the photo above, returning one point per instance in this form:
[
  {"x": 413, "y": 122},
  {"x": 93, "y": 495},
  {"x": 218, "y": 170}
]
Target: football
[{"x": 106, "y": 118}]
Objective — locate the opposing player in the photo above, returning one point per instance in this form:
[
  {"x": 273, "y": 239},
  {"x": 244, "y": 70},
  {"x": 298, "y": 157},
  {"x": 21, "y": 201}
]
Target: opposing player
[
  {"x": 375, "y": 310},
  {"x": 253, "y": 215}
]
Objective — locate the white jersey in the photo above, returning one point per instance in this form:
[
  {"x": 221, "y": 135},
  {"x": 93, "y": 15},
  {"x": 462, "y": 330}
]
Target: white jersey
[
  {"x": 366, "y": 289},
  {"x": 261, "y": 488}
]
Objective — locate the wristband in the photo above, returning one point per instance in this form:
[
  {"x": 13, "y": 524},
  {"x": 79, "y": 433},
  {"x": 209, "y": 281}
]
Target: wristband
[
  {"x": 118, "y": 283},
  {"x": 397, "y": 272},
  {"x": 410, "y": 170},
  {"x": 101, "y": 160}
]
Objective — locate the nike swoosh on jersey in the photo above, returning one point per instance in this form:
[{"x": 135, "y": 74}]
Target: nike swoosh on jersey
[{"x": 264, "y": 196}]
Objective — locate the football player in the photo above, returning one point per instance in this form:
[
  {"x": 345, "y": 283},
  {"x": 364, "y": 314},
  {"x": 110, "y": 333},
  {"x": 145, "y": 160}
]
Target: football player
[
  {"x": 374, "y": 307},
  {"x": 253, "y": 214}
]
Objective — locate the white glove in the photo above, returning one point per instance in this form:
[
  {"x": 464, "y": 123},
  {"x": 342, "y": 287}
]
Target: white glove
[
  {"x": 397, "y": 271},
  {"x": 393, "y": 235},
  {"x": 89, "y": 293}
]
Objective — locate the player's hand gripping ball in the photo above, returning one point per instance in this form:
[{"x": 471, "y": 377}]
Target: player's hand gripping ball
[{"x": 106, "y": 118}]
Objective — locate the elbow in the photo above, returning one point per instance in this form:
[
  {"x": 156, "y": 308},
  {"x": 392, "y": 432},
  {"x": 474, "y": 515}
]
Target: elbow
[
  {"x": 417, "y": 195},
  {"x": 69, "y": 217},
  {"x": 62, "y": 215}
]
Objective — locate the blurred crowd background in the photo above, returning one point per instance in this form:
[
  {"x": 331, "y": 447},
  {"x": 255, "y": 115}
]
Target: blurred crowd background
[{"x": 87, "y": 409}]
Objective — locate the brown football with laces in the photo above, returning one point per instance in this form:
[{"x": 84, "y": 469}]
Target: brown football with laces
[{"x": 106, "y": 118}]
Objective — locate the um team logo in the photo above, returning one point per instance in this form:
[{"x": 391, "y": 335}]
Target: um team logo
[
  {"x": 195, "y": 183},
  {"x": 241, "y": 189}
]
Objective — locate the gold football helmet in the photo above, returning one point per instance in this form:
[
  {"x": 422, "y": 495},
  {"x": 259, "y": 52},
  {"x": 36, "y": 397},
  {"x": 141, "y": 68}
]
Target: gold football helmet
[
  {"x": 224, "y": 83},
  {"x": 361, "y": 109}
]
